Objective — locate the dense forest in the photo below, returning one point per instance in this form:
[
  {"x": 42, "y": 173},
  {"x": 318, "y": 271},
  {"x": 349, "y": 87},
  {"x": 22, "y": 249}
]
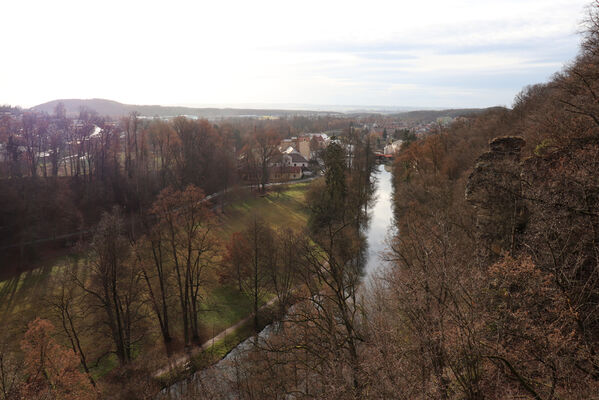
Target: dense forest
[{"x": 494, "y": 283}]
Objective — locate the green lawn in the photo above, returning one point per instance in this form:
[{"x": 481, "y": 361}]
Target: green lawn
[
  {"x": 224, "y": 306},
  {"x": 23, "y": 298},
  {"x": 284, "y": 209}
]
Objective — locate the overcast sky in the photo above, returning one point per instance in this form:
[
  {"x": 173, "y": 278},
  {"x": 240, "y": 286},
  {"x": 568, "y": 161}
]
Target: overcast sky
[{"x": 419, "y": 53}]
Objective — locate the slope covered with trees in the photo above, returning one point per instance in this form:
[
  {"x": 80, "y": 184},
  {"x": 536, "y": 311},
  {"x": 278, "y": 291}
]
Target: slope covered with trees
[{"x": 493, "y": 289}]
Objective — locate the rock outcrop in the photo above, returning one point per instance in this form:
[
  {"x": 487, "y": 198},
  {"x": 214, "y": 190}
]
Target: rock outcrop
[
  {"x": 494, "y": 188},
  {"x": 547, "y": 208}
]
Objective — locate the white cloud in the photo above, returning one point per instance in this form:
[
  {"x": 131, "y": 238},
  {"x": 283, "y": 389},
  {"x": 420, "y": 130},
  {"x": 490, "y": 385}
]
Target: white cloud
[{"x": 349, "y": 52}]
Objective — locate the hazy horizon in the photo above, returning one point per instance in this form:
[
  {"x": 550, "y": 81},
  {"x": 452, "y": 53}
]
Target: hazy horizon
[
  {"x": 275, "y": 106},
  {"x": 335, "y": 54}
]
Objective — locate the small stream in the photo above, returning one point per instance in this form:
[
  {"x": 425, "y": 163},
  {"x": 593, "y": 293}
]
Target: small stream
[{"x": 222, "y": 375}]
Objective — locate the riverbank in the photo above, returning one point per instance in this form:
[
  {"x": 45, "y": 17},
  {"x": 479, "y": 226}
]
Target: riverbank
[{"x": 184, "y": 366}]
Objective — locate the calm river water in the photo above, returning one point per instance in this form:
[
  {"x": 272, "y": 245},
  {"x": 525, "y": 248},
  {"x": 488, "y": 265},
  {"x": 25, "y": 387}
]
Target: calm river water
[{"x": 381, "y": 220}]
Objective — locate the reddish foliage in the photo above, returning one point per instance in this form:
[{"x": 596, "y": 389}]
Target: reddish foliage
[{"x": 52, "y": 370}]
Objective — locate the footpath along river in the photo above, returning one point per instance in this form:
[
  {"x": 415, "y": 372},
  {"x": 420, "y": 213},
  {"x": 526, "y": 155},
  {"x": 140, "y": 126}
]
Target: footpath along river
[{"x": 223, "y": 373}]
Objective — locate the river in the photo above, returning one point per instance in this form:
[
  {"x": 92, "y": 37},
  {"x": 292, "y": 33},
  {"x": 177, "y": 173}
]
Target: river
[
  {"x": 381, "y": 221},
  {"x": 221, "y": 376}
]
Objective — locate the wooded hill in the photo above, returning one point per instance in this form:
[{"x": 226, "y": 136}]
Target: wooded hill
[
  {"x": 115, "y": 109},
  {"x": 494, "y": 287},
  {"x": 432, "y": 115}
]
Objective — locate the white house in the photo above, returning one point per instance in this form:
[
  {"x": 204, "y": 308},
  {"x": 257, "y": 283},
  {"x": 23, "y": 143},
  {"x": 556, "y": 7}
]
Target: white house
[
  {"x": 295, "y": 160},
  {"x": 393, "y": 147},
  {"x": 291, "y": 158}
]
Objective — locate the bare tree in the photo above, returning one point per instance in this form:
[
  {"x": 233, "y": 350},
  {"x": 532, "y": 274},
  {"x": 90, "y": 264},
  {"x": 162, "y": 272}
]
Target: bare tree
[
  {"x": 156, "y": 272},
  {"x": 284, "y": 271},
  {"x": 185, "y": 226},
  {"x": 70, "y": 309},
  {"x": 260, "y": 258},
  {"x": 114, "y": 285}
]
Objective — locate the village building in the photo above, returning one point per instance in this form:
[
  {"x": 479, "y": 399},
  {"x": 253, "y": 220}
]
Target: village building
[
  {"x": 292, "y": 158},
  {"x": 285, "y": 173},
  {"x": 289, "y": 165},
  {"x": 307, "y": 145},
  {"x": 393, "y": 148}
]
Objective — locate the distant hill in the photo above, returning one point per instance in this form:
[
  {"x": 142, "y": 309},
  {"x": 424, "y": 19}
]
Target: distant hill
[
  {"x": 115, "y": 109},
  {"x": 431, "y": 115}
]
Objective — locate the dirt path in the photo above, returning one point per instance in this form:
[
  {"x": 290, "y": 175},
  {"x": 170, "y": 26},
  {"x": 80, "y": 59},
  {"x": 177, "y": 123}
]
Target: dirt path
[{"x": 177, "y": 361}]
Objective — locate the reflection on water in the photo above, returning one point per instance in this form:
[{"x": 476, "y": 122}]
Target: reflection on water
[{"x": 381, "y": 221}]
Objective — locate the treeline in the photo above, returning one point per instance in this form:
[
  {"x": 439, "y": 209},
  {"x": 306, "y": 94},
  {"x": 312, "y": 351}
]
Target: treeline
[
  {"x": 59, "y": 174},
  {"x": 492, "y": 285},
  {"x": 6, "y": 109}
]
